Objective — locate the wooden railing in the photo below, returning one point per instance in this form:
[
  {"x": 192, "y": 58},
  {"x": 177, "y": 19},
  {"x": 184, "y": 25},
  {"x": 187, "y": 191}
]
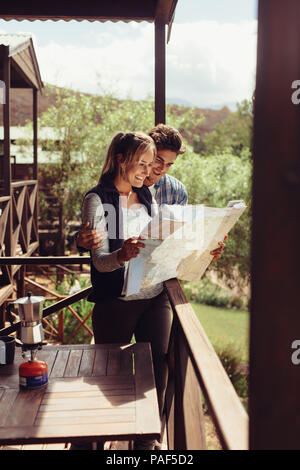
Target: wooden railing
[
  {"x": 18, "y": 229},
  {"x": 195, "y": 369},
  {"x": 53, "y": 331},
  {"x": 195, "y": 374}
]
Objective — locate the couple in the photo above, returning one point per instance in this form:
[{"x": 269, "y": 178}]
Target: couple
[{"x": 135, "y": 170}]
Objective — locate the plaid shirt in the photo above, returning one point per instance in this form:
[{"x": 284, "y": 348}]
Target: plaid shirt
[{"x": 170, "y": 190}]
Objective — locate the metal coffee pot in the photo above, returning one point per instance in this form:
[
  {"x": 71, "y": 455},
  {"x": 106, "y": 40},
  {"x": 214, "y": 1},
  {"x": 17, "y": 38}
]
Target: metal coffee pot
[{"x": 30, "y": 311}]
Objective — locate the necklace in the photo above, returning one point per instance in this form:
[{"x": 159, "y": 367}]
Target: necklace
[{"x": 126, "y": 194}]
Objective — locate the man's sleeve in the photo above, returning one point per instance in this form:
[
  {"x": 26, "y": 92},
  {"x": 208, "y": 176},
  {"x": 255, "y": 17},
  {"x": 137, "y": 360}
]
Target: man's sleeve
[{"x": 182, "y": 196}]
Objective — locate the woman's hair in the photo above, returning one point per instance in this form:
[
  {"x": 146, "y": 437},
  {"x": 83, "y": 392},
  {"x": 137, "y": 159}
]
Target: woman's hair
[{"x": 131, "y": 146}]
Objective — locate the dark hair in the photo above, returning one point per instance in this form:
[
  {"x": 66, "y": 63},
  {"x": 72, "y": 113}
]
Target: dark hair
[
  {"x": 167, "y": 138},
  {"x": 131, "y": 146}
]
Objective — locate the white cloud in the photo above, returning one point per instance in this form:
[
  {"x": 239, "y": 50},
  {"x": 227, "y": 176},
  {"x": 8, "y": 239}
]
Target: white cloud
[
  {"x": 208, "y": 62},
  {"x": 212, "y": 63}
]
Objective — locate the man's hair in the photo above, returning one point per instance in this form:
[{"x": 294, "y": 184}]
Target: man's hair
[{"x": 167, "y": 138}]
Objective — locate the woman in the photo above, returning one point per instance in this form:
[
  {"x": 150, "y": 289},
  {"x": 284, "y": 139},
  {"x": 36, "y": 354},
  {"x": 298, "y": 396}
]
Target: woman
[{"x": 121, "y": 206}]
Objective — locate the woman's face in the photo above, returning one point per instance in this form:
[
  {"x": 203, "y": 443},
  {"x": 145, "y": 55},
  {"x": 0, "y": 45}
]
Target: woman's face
[{"x": 136, "y": 174}]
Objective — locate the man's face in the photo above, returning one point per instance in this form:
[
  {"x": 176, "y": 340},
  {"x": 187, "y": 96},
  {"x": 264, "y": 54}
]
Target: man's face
[{"x": 161, "y": 165}]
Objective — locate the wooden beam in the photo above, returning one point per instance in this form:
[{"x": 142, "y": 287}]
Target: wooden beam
[
  {"x": 160, "y": 72},
  {"x": 35, "y": 134},
  {"x": 118, "y": 10},
  {"x": 164, "y": 10},
  {"x": 6, "y": 120},
  {"x": 44, "y": 260},
  {"x": 4, "y": 52},
  {"x": 275, "y": 279}
]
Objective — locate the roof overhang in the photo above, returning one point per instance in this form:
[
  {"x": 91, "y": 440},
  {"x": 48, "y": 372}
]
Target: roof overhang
[
  {"x": 109, "y": 10},
  {"x": 25, "y": 71}
]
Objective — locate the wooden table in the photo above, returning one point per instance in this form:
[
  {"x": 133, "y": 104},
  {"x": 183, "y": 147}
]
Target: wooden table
[{"x": 95, "y": 393}]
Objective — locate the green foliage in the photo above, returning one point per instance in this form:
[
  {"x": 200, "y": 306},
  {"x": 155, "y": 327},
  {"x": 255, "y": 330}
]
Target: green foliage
[
  {"x": 82, "y": 308},
  {"x": 230, "y": 360},
  {"x": 233, "y": 135},
  {"x": 214, "y": 181},
  {"x": 207, "y": 292},
  {"x": 187, "y": 121}
]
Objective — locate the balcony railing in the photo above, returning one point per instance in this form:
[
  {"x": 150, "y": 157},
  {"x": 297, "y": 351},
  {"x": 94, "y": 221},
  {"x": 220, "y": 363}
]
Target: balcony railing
[{"x": 195, "y": 373}]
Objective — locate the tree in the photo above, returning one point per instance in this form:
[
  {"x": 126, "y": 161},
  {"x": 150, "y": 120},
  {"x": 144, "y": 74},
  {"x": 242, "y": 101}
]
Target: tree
[
  {"x": 234, "y": 134},
  {"x": 214, "y": 181}
]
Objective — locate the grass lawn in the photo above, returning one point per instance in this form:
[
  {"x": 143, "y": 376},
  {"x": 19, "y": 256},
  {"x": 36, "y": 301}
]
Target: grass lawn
[{"x": 225, "y": 327}]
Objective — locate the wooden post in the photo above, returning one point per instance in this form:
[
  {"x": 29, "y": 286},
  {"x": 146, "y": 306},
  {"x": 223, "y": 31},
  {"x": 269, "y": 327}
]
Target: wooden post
[
  {"x": 275, "y": 279},
  {"x": 35, "y": 134},
  {"x": 35, "y": 155},
  {"x": 6, "y": 121},
  {"x": 61, "y": 326},
  {"x": 6, "y": 162},
  {"x": 21, "y": 281},
  {"x": 160, "y": 72}
]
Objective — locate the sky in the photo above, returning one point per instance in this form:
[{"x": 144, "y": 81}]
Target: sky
[{"x": 211, "y": 56}]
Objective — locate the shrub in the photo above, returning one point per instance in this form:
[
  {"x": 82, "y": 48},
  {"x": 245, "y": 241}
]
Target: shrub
[
  {"x": 231, "y": 360},
  {"x": 207, "y": 292}
]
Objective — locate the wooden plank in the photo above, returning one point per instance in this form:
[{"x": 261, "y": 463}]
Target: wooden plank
[
  {"x": 25, "y": 408},
  {"x": 66, "y": 433},
  {"x": 100, "y": 363},
  {"x": 61, "y": 446},
  {"x": 275, "y": 319},
  {"x": 73, "y": 363},
  {"x": 87, "y": 363},
  {"x": 46, "y": 260},
  {"x": 47, "y": 356},
  {"x": 89, "y": 383},
  {"x": 60, "y": 363},
  {"x": 147, "y": 413},
  {"x": 113, "y": 363},
  {"x": 5, "y": 292},
  {"x": 99, "y": 416},
  {"x": 230, "y": 418},
  {"x": 87, "y": 413},
  {"x": 33, "y": 447},
  {"x": 8, "y": 398},
  {"x": 78, "y": 403},
  {"x": 191, "y": 401},
  {"x": 126, "y": 360},
  {"x": 15, "y": 447}
]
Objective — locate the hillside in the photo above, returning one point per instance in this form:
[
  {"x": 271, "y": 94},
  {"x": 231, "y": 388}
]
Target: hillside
[{"x": 21, "y": 110}]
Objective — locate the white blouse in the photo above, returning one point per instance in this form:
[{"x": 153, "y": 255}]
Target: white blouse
[{"x": 134, "y": 220}]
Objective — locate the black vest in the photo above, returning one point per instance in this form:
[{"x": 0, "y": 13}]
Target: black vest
[{"x": 109, "y": 285}]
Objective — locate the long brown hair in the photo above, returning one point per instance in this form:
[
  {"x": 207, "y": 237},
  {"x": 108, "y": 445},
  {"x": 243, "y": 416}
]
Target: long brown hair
[{"x": 131, "y": 146}]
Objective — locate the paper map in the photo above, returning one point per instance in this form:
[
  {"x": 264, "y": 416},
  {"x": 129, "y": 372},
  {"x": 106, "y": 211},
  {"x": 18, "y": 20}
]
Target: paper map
[{"x": 178, "y": 243}]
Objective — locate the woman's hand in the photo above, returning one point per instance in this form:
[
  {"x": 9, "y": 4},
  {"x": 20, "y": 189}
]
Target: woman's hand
[
  {"x": 88, "y": 238},
  {"x": 130, "y": 249},
  {"x": 217, "y": 253}
]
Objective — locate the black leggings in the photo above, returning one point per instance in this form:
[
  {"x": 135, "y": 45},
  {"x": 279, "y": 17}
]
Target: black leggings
[{"x": 115, "y": 321}]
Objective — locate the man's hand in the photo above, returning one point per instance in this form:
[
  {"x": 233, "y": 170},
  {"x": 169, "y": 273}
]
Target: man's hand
[
  {"x": 217, "y": 253},
  {"x": 130, "y": 249},
  {"x": 89, "y": 239}
]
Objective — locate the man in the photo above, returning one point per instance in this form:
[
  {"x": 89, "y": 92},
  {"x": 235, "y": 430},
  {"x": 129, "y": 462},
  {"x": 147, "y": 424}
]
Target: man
[{"x": 164, "y": 188}]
